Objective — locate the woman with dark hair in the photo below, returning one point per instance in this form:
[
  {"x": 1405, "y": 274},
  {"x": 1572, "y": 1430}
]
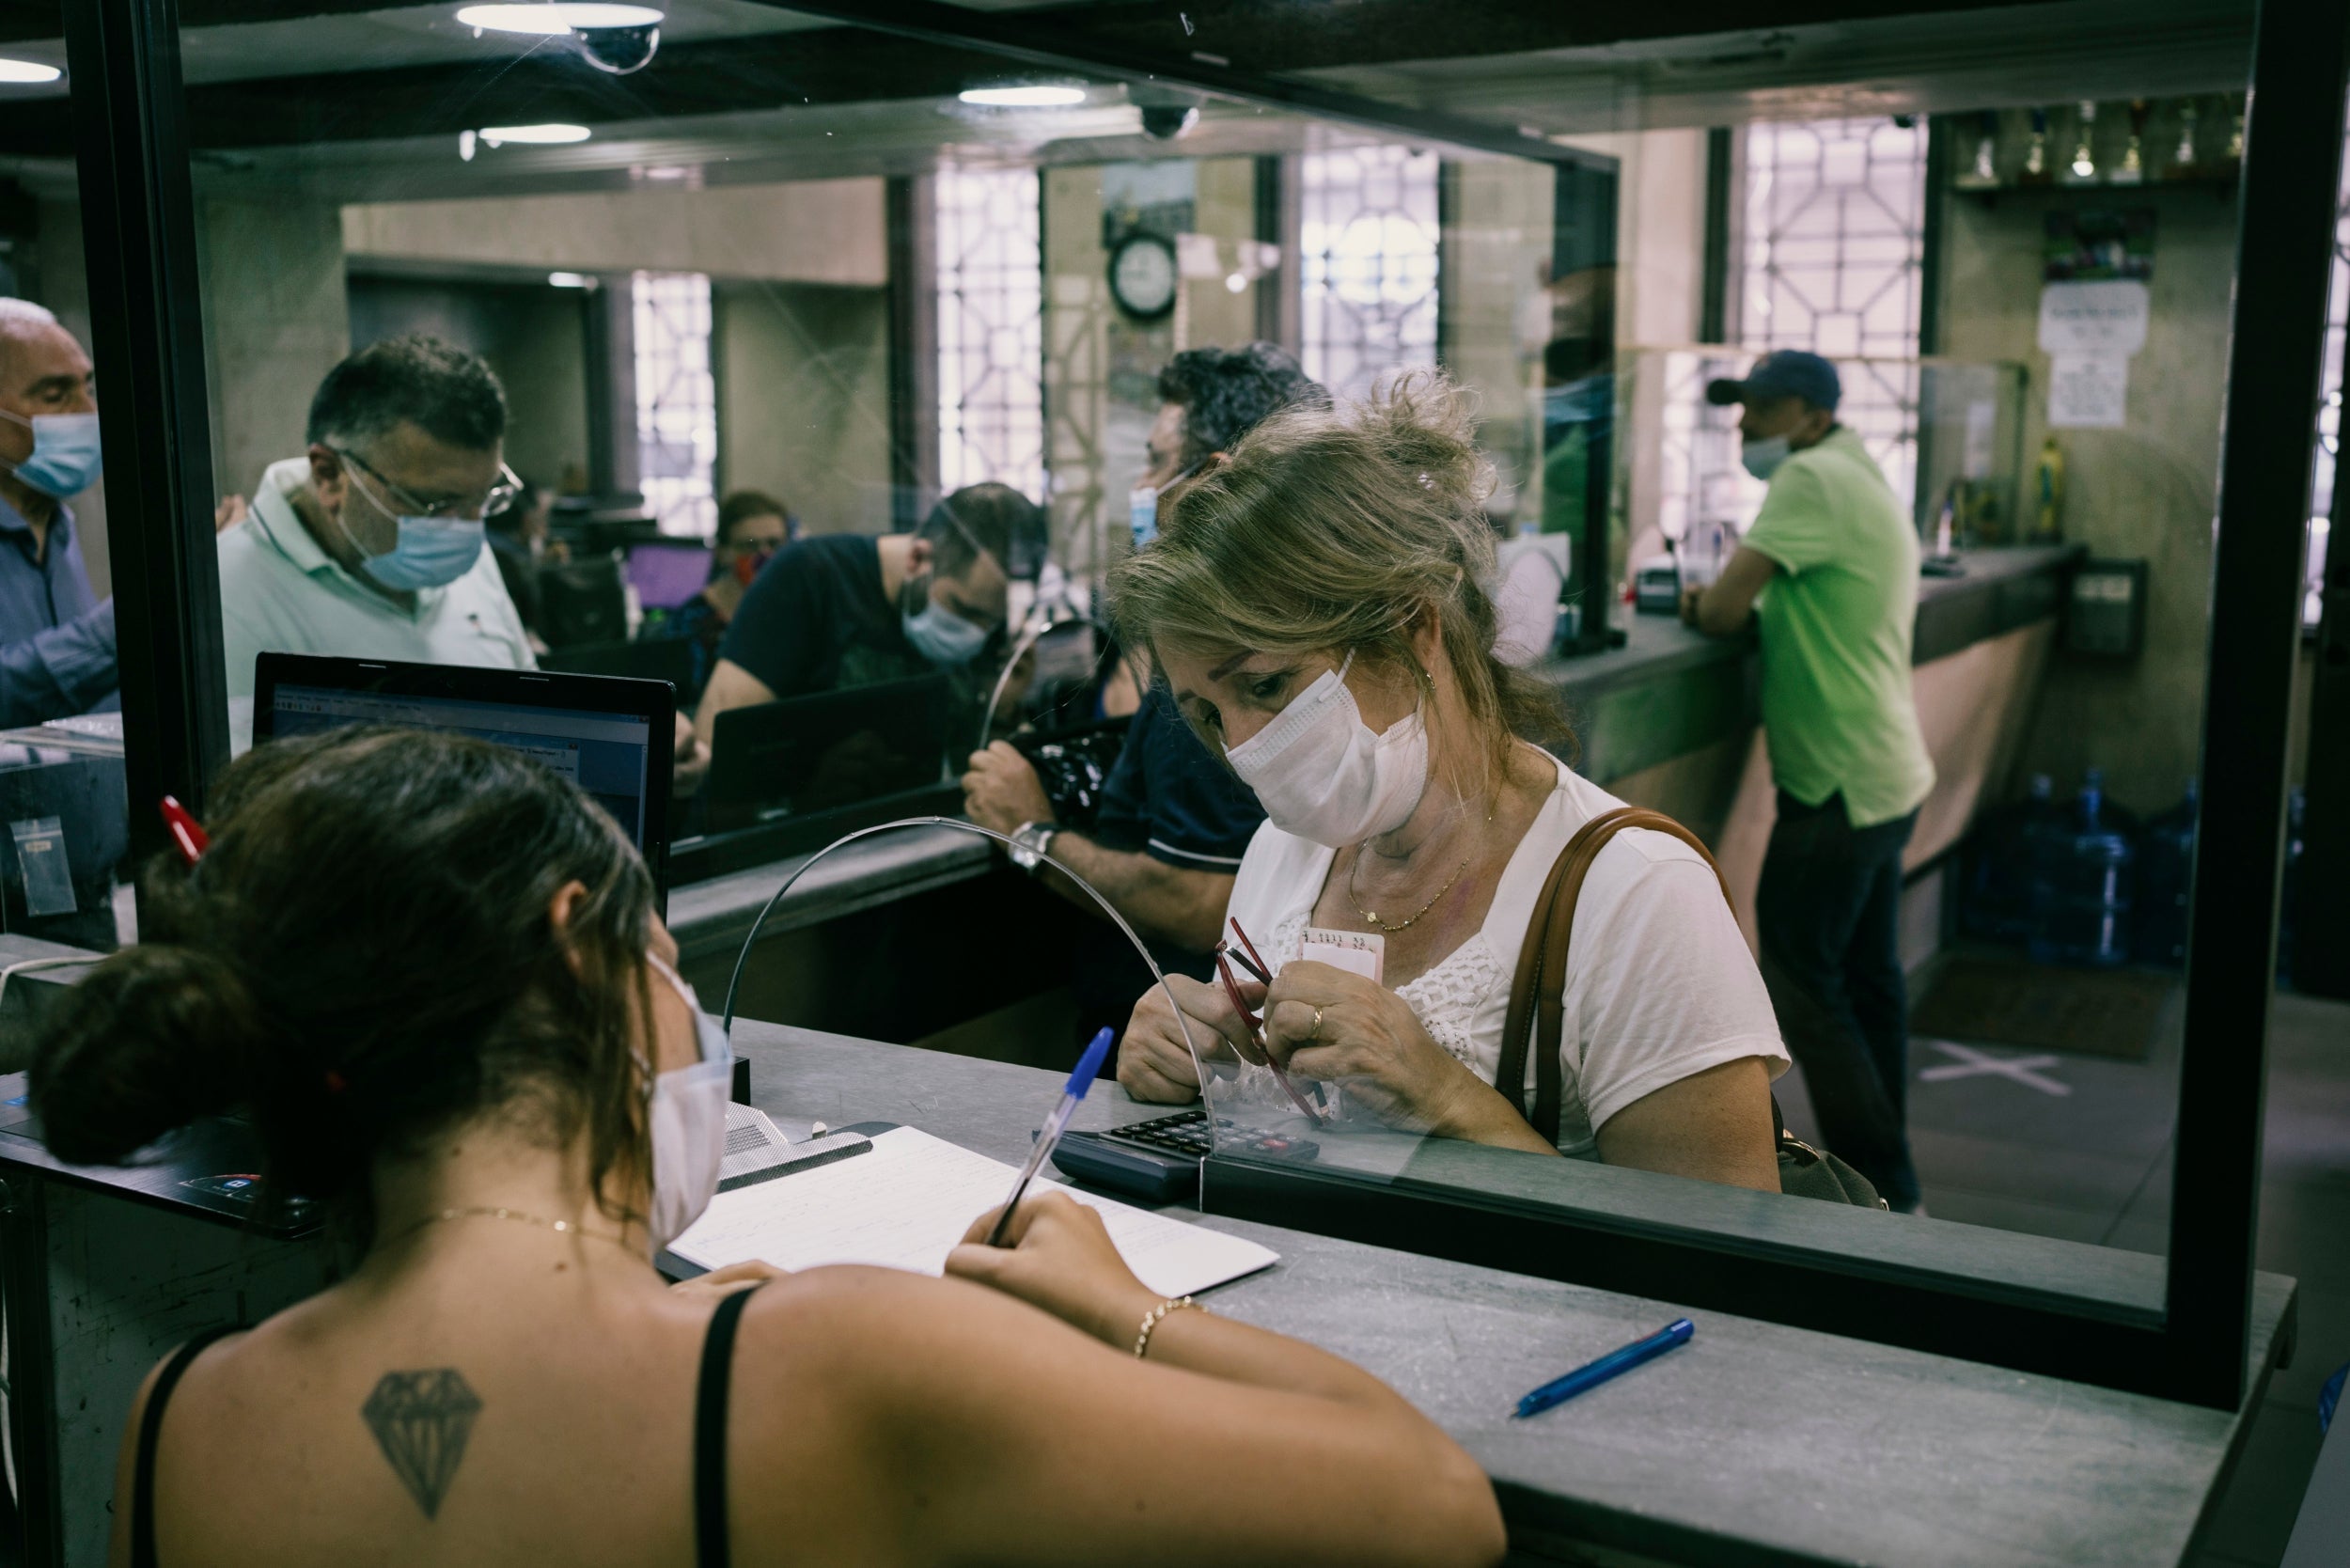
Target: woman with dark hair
[{"x": 432, "y": 973}]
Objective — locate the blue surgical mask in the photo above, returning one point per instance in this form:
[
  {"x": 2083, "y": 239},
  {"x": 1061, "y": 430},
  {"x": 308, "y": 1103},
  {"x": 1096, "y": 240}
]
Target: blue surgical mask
[
  {"x": 1763, "y": 458},
  {"x": 429, "y": 552},
  {"x": 65, "y": 458},
  {"x": 432, "y": 552},
  {"x": 943, "y": 637}
]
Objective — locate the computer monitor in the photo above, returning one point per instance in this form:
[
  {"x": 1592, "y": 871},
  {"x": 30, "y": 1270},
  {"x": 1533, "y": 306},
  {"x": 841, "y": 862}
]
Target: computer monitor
[
  {"x": 668, "y": 574},
  {"x": 615, "y": 739},
  {"x": 807, "y": 753},
  {"x": 581, "y": 600}
]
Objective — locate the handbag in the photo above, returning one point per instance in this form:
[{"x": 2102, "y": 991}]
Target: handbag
[{"x": 1536, "y": 1013}]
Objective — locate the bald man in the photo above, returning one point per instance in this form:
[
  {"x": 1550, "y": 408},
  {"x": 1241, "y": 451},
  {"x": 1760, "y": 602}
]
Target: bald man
[{"x": 56, "y": 641}]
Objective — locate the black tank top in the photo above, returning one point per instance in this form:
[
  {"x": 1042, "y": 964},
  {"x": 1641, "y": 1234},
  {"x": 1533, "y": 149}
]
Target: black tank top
[{"x": 711, "y": 1546}]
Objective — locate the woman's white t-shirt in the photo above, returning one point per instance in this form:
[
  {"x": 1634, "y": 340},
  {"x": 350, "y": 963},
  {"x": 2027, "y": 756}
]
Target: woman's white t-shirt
[{"x": 1659, "y": 981}]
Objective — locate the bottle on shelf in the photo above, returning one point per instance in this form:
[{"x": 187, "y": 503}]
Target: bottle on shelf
[
  {"x": 2165, "y": 862},
  {"x": 2084, "y": 887},
  {"x": 2047, "y": 484},
  {"x": 2182, "y": 161},
  {"x": 1994, "y": 902},
  {"x": 2082, "y": 168},
  {"x": 1982, "y": 172},
  {"x": 2035, "y": 170},
  {"x": 2132, "y": 169}
]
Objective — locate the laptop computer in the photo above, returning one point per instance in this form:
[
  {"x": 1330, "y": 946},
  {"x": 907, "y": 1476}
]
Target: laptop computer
[
  {"x": 615, "y": 739},
  {"x": 669, "y": 659},
  {"x": 807, "y": 753}
]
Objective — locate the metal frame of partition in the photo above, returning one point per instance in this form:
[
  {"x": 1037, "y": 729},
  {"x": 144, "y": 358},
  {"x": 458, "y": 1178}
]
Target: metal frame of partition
[{"x": 133, "y": 149}]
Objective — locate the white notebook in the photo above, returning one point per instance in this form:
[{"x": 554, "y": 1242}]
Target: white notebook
[{"x": 907, "y": 1203}]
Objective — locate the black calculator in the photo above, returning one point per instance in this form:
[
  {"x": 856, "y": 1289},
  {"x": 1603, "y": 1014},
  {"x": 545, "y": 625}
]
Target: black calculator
[{"x": 1158, "y": 1161}]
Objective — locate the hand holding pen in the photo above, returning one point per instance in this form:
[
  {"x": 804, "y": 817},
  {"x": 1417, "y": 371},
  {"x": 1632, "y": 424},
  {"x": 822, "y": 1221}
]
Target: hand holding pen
[{"x": 1254, "y": 962}]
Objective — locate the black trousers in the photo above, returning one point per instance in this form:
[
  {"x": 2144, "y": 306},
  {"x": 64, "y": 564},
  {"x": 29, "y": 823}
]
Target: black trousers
[{"x": 1828, "y": 910}]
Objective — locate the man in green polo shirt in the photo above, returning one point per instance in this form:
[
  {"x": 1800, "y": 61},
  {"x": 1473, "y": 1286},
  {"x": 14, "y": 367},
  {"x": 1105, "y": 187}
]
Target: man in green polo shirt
[{"x": 1828, "y": 571}]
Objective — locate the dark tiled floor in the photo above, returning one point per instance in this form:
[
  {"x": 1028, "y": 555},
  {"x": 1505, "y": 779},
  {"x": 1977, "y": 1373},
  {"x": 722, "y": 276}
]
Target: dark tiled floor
[{"x": 2093, "y": 1164}]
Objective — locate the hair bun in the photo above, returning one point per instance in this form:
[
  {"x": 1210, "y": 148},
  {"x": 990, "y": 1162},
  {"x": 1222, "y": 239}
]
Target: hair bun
[{"x": 155, "y": 1037}]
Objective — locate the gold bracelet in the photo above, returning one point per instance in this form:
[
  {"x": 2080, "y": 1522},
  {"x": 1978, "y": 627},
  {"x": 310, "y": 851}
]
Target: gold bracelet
[{"x": 1151, "y": 1319}]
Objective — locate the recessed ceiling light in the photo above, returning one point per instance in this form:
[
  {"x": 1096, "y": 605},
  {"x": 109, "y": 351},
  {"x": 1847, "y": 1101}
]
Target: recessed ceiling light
[
  {"x": 27, "y": 72},
  {"x": 555, "y": 17},
  {"x": 533, "y": 136},
  {"x": 571, "y": 280},
  {"x": 1024, "y": 98}
]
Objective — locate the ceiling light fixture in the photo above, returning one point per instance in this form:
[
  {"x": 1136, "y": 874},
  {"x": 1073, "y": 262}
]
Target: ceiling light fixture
[
  {"x": 533, "y": 136},
  {"x": 555, "y": 17},
  {"x": 27, "y": 72},
  {"x": 1037, "y": 97},
  {"x": 569, "y": 280}
]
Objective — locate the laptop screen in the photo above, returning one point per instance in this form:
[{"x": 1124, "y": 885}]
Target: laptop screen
[
  {"x": 607, "y": 754},
  {"x": 667, "y": 575}
]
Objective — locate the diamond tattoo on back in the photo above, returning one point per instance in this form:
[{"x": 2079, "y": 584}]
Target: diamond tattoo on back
[{"x": 421, "y": 1421}]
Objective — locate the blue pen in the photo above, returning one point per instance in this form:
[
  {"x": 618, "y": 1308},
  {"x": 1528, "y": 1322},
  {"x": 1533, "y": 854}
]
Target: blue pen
[
  {"x": 1089, "y": 1068},
  {"x": 1559, "y": 1390}
]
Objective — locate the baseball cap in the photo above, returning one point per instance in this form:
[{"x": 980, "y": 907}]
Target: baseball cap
[{"x": 1782, "y": 373}]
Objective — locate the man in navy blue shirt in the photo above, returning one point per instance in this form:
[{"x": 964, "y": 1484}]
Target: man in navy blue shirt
[
  {"x": 56, "y": 641},
  {"x": 1174, "y": 822}
]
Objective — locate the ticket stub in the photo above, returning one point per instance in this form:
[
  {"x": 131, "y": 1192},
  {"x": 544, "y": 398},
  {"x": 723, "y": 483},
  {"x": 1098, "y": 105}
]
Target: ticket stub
[{"x": 1359, "y": 953}]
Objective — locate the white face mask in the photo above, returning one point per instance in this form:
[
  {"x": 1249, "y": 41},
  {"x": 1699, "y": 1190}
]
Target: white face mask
[
  {"x": 1763, "y": 458},
  {"x": 1321, "y": 774},
  {"x": 687, "y": 1109}
]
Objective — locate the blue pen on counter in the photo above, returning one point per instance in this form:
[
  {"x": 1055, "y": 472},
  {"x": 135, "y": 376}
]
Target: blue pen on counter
[
  {"x": 1559, "y": 1390},
  {"x": 1089, "y": 1068}
]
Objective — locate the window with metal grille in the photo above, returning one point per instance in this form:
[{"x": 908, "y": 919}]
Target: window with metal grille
[
  {"x": 991, "y": 325},
  {"x": 1833, "y": 262},
  {"x": 677, "y": 401},
  {"x": 1368, "y": 231}
]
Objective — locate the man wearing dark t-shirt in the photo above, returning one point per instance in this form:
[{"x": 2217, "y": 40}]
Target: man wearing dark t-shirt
[
  {"x": 1174, "y": 821},
  {"x": 847, "y": 610}
]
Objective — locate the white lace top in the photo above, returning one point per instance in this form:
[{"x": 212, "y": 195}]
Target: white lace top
[{"x": 1659, "y": 983}]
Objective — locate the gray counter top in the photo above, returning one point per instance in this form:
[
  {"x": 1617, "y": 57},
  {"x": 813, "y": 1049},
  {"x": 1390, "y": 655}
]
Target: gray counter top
[{"x": 1757, "y": 1444}]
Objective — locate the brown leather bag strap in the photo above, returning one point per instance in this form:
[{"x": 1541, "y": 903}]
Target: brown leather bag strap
[{"x": 1537, "y": 1015}]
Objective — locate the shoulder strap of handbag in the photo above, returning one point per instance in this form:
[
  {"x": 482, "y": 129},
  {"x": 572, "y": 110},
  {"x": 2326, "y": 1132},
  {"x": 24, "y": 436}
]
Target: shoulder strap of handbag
[{"x": 1537, "y": 994}]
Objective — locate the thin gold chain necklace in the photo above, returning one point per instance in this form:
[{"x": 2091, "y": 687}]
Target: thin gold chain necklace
[
  {"x": 1372, "y": 915},
  {"x": 562, "y": 1227},
  {"x": 1355, "y": 897}
]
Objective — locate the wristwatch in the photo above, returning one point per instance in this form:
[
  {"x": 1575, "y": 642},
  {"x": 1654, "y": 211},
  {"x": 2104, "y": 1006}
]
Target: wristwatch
[{"x": 1031, "y": 843}]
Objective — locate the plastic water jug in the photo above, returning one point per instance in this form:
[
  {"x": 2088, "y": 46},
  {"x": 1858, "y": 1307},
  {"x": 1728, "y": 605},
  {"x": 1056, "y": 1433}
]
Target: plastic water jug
[
  {"x": 1995, "y": 902},
  {"x": 2080, "y": 907},
  {"x": 2166, "y": 859}
]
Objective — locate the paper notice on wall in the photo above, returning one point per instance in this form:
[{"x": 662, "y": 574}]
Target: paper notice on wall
[
  {"x": 2104, "y": 317},
  {"x": 2088, "y": 392}
]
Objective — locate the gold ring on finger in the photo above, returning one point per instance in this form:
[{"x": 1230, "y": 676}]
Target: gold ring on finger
[{"x": 1314, "y": 1032}]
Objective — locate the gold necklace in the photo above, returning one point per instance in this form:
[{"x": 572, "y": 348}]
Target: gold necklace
[
  {"x": 1356, "y": 898},
  {"x": 561, "y": 1227}
]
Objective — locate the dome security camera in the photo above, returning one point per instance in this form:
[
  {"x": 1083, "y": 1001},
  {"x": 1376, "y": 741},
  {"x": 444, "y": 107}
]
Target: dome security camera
[
  {"x": 1165, "y": 123},
  {"x": 1167, "y": 112},
  {"x": 619, "y": 51}
]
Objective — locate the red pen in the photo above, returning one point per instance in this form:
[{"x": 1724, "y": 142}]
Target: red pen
[
  {"x": 185, "y": 835},
  {"x": 1254, "y": 1024}
]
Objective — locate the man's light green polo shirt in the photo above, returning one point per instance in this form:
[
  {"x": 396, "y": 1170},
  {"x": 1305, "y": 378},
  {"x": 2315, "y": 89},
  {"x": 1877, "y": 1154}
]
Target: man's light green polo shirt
[{"x": 1836, "y": 623}]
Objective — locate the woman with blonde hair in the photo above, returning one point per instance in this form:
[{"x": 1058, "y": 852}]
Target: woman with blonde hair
[{"x": 1316, "y": 603}]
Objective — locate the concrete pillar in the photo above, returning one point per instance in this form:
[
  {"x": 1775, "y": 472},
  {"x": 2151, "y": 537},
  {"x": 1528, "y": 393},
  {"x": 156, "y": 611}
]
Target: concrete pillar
[{"x": 276, "y": 319}]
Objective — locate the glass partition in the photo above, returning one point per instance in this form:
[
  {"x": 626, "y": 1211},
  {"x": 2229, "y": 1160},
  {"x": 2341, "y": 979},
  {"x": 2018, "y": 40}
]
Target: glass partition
[{"x": 889, "y": 301}]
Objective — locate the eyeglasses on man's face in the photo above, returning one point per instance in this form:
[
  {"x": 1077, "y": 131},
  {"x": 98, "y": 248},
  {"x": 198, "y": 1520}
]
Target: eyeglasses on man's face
[{"x": 399, "y": 501}]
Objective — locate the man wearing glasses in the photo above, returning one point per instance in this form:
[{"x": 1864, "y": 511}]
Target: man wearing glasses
[{"x": 369, "y": 545}]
